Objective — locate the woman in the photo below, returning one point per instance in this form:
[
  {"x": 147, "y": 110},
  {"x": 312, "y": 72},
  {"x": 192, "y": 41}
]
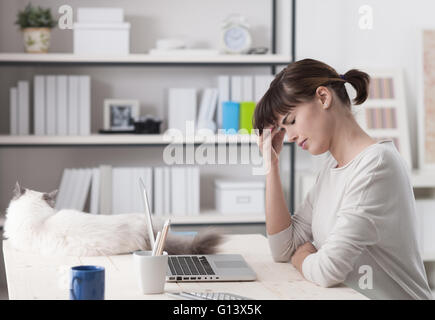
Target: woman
[{"x": 357, "y": 225}]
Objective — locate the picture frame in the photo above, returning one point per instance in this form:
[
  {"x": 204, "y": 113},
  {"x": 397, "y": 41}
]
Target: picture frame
[
  {"x": 426, "y": 101},
  {"x": 384, "y": 114},
  {"x": 119, "y": 114}
]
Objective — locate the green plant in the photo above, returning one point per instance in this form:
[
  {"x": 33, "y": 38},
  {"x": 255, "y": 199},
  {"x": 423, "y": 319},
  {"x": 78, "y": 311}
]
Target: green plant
[{"x": 35, "y": 17}]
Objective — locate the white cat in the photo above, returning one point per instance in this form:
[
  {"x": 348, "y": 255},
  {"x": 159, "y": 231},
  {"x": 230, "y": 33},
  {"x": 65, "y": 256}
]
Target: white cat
[{"x": 32, "y": 224}]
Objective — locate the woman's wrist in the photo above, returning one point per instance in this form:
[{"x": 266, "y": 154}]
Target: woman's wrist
[{"x": 273, "y": 170}]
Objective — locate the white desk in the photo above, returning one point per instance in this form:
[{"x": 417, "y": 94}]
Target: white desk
[{"x": 31, "y": 276}]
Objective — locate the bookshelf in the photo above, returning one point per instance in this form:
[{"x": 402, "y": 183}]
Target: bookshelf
[
  {"x": 117, "y": 139},
  {"x": 120, "y": 139},
  {"x": 145, "y": 59},
  {"x": 211, "y": 216},
  {"x": 28, "y": 63}
]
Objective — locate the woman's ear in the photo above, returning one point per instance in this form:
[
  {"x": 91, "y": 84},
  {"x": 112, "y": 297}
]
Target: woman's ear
[{"x": 325, "y": 96}]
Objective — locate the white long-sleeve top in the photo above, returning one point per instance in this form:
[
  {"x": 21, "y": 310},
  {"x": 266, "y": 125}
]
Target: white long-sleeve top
[{"x": 361, "y": 218}]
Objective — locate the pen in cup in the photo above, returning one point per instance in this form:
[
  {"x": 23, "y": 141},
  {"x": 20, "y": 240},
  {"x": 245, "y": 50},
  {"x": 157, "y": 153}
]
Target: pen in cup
[
  {"x": 163, "y": 237},
  {"x": 156, "y": 243}
]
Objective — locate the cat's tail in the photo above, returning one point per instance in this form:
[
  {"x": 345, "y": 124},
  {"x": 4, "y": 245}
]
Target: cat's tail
[{"x": 205, "y": 242}]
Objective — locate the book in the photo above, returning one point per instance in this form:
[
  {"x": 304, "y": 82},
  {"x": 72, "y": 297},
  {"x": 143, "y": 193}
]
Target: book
[
  {"x": 246, "y": 114},
  {"x": 223, "y": 96},
  {"x": 196, "y": 190},
  {"x": 39, "y": 105},
  {"x": 212, "y": 104},
  {"x": 158, "y": 209},
  {"x": 207, "y": 109},
  {"x": 95, "y": 191},
  {"x": 148, "y": 180},
  {"x": 261, "y": 85},
  {"x": 236, "y": 89},
  {"x": 188, "y": 187},
  {"x": 50, "y": 105},
  {"x": 62, "y": 193},
  {"x": 84, "y": 105},
  {"x": 67, "y": 203},
  {"x": 62, "y": 105},
  {"x": 247, "y": 88},
  {"x": 231, "y": 115},
  {"x": 105, "y": 189},
  {"x": 13, "y": 111},
  {"x": 73, "y": 105},
  {"x": 77, "y": 175},
  {"x": 181, "y": 108},
  {"x": 136, "y": 197},
  {"x": 23, "y": 108},
  {"x": 204, "y": 105},
  {"x": 167, "y": 196},
  {"x": 83, "y": 186},
  {"x": 120, "y": 190},
  {"x": 178, "y": 191}
]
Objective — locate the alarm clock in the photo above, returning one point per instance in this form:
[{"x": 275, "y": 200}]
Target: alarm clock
[{"x": 235, "y": 35}]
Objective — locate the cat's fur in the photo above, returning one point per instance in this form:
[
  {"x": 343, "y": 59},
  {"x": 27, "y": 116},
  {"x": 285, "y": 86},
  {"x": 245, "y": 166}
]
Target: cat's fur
[{"x": 32, "y": 224}]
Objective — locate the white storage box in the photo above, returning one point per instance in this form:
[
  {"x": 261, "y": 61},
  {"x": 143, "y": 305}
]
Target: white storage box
[
  {"x": 100, "y": 15},
  {"x": 233, "y": 197},
  {"x": 102, "y": 38}
]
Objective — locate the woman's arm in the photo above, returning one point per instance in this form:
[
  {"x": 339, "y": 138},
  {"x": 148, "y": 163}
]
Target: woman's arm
[
  {"x": 277, "y": 214},
  {"x": 285, "y": 233},
  {"x": 362, "y": 207}
]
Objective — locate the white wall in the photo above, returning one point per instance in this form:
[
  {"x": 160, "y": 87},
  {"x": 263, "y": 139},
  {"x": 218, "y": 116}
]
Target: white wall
[{"x": 328, "y": 30}]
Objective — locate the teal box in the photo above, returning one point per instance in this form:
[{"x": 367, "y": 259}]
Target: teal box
[{"x": 230, "y": 117}]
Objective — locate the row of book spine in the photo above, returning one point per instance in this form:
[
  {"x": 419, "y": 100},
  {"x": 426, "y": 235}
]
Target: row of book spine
[
  {"x": 171, "y": 191},
  {"x": 242, "y": 91},
  {"x": 61, "y": 106}
]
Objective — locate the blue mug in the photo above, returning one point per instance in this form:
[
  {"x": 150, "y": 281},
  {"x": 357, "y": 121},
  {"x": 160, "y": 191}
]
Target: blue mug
[{"x": 87, "y": 283}]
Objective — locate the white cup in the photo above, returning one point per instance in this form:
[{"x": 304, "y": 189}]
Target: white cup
[{"x": 151, "y": 271}]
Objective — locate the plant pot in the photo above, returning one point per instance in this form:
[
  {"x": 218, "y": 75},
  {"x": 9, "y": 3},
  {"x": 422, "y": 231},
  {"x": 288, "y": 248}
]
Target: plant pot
[{"x": 36, "y": 40}]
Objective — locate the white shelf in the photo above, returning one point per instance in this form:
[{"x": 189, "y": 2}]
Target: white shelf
[
  {"x": 422, "y": 179},
  {"x": 265, "y": 59},
  {"x": 120, "y": 139},
  {"x": 213, "y": 217},
  {"x": 205, "y": 217},
  {"x": 428, "y": 256}
]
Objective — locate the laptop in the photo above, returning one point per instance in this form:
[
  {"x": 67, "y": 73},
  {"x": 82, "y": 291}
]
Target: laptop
[{"x": 202, "y": 267}]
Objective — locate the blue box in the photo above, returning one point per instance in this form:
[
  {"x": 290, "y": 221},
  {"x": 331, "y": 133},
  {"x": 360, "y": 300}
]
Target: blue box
[{"x": 230, "y": 116}]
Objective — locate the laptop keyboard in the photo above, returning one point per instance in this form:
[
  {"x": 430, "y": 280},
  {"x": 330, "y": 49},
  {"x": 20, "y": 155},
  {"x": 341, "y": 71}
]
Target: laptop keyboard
[{"x": 189, "y": 265}]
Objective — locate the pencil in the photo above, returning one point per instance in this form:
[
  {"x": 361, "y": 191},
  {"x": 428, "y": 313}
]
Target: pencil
[
  {"x": 156, "y": 244},
  {"x": 163, "y": 237}
]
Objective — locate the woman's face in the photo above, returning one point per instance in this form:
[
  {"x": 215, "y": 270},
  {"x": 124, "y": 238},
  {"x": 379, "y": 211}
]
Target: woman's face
[{"x": 310, "y": 125}]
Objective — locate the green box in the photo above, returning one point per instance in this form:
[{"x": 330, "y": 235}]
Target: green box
[{"x": 246, "y": 115}]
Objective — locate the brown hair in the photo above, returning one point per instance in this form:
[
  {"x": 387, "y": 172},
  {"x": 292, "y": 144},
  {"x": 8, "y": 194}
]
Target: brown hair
[{"x": 298, "y": 83}]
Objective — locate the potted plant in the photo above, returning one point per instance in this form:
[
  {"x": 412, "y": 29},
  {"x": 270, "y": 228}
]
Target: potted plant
[{"x": 36, "y": 24}]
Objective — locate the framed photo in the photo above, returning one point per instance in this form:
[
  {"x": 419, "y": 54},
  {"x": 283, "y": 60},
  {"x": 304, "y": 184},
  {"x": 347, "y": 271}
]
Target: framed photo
[
  {"x": 119, "y": 115},
  {"x": 384, "y": 115},
  {"x": 426, "y": 110}
]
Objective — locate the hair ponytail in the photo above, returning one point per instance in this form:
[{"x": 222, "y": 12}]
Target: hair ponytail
[
  {"x": 360, "y": 81},
  {"x": 298, "y": 83}
]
